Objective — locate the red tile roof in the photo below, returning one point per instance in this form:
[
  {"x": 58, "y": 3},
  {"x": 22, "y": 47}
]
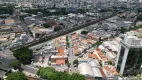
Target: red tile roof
[
  {"x": 60, "y": 51},
  {"x": 98, "y": 49},
  {"x": 102, "y": 72},
  {"x": 111, "y": 69},
  {"x": 76, "y": 51},
  {"x": 60, "y": 61},
  {"x": 93, "y": 56}
]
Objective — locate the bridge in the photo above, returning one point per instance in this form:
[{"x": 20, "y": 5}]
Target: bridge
[{"x": 62, "y": 32}]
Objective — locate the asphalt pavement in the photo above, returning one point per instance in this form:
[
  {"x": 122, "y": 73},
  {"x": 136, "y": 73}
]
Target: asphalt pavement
[
  {"x": 71, "y": 57},
  {"x": 29, "y": 69}
]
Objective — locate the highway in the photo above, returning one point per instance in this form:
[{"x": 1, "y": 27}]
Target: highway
[{"x": 61, "y": 33}]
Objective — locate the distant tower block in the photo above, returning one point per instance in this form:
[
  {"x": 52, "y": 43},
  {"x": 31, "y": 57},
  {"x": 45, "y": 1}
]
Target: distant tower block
[{"x": 129, "y": 57}]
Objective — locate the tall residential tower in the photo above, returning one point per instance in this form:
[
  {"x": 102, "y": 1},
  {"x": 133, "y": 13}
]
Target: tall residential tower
[{"x": 129, "y": 57}]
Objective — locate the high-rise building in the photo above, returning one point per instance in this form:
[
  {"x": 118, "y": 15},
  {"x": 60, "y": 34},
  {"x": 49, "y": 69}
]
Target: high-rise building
[{"x": 129, "y": 57}]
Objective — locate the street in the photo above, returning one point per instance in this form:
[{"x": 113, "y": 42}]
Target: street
[
  {"x": 71, "y": 57},
  {"x": 29, "y": 69}
]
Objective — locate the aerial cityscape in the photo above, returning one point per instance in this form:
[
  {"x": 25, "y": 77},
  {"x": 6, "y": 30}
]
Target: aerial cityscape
[{"x": 70, "y": 39}]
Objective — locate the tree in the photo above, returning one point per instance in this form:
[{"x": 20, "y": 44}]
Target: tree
[
  {"x": 76, "y": 62},
  {"x": 138, "y": 77},
  {"x": 97, "y": 43},
  {"x": 76, "y": 76},
  {"x": 62, "y": 75},
  {"x": 121, "y": 75},
  {"x": 47, "y": 73},
  {"x": 6, "y": 10},
  {"x": 137, "y": 27},
  {"x": 84, "y": 32},
  {"x": 46, "y": 25},
  {"x": 0, "y": 63},
  {"x": 139, "y": 17},
  {"x": 15, "y": 64},
  {"x": 57, "y": 28},
  {"x": 100, "y": 62},
  {"x": 24, "y": 55},
  {"x": 16, "y": 76},
  {"x": 68, "y": 63},
  {"x": 110, "y": 62},
  {"x": 123, "y": 30},
  {"x": 67, "y": 41}
]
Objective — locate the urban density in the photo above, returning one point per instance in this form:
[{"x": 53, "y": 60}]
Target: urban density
[{"x": 70, "y": 39}]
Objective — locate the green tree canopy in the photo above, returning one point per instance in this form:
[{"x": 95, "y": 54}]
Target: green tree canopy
[
  {"x": 75, "y": 62},
  {"x": 110, "y": 62},
  {"x": 16, "y": 76},
  {"x": 139, "y": 17},
  {"x": 6, "y": 10},
  {"x": 68, "y": 64},
  {"x": 123, "y": 30},
  {"x": 15, "y": 64},
  {"x": 77, "y": 76},
  {"x": 137, "y": 27},
  {"x": 84, "y": 32},
  {"x": 97, "y": 43},
  {"x": 24, "y": 55},
  {"x": 67, "y": 40},
  {"x": 62, "y": 75},
  {"x": 57, "y": 28},
  {"x": 46, "y": 25},
  {"x": 49, "y": 73}
]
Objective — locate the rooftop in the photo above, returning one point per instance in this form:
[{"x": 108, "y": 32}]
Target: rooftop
[
  {"x": 76, "y": 50},
  {"x": 8, "y": 21},
  {"x": 60, "y": 51},
  {"x": 113, "y": 45},
  {"x": 93, "y": 56},
  {"x": 111, "y": 69},
  {"x": 131, "y": 41},
  {"x": 90, "y": 69},
  {"x": 60, "y": 61},
  {"x": 7, "y": 54},
  {"x": 64, "y": 56},
  {"x": 2, "y": 73}
]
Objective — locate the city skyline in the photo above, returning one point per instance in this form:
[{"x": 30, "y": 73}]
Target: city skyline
[{"x": 70, "y": 39}]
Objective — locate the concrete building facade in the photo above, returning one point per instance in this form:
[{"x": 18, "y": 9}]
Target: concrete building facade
[{"x": 129, "y": 56}]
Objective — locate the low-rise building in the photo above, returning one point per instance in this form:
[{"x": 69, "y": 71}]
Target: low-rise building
[
  {"x": 90, "y": 70},
  {"x": 6, "y": 56},
  {"x": 9, "y": 21},
  {"x": 4, "y": 38},
  {"x": 110, "y": 71},
  {"x": 60, "y": 58},
  {"x": 39, "y": 32}
]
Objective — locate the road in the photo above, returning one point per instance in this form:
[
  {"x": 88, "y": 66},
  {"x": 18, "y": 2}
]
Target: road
[
  {"x": 71, "y": 57},
  {"x": 62, "y": 32},
  {"x": 29, "y": 69}
]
